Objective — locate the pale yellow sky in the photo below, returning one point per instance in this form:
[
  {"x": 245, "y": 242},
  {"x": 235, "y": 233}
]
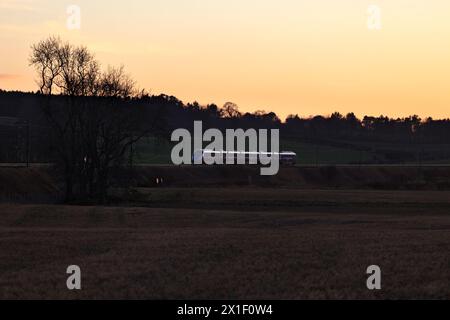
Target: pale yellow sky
[{"x": 288, "y": 56}]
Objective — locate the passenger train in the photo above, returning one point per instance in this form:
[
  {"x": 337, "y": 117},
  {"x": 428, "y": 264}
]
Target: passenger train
[{"x": 288, "y": 158}]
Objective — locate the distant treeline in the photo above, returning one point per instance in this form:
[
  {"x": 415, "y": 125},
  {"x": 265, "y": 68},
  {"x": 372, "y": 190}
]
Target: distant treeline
[
  {"x": 90, "y": 138},
  {"x": 173, "y": 113}
]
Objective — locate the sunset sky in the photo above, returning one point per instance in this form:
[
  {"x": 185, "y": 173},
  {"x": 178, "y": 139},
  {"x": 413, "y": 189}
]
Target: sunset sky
[{"x": 288, "y": 56}]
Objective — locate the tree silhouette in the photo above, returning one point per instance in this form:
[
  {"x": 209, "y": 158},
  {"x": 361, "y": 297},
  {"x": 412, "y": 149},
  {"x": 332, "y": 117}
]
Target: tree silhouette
[{"x": 95, "y": 125}]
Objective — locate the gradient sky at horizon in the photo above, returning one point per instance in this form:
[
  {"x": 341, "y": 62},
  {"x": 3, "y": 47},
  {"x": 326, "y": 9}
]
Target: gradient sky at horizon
[{"x": 287, "y": 56}]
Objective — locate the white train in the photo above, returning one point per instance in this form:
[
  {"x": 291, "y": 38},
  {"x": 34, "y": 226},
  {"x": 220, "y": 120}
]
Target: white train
[{"x": 208, "y": 156}]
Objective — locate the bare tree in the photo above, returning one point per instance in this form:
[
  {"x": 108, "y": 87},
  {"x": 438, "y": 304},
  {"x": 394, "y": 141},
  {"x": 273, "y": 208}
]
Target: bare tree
[
  {"x": 95, "y": 125},
  {"x": 44, "y": 57}
]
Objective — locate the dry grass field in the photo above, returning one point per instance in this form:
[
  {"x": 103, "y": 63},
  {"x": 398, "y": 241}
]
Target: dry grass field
[{"x": 173, "y": 245}]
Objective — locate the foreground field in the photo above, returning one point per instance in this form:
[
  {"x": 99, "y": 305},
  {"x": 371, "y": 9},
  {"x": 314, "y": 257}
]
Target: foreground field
[
  {"x": 283, "y": 199},
  {"x": 306, "y": 252},
  {"x": 44, "y": 183}
]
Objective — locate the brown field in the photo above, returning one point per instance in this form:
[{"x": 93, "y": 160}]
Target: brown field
[{"x": 237, "y": 243}]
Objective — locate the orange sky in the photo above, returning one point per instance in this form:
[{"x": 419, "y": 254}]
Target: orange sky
[{"x": 287, "y": 56}]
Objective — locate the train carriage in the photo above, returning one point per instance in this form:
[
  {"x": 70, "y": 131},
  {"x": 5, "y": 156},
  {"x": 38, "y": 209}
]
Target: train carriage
[{"x": 250, "y": 157}]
